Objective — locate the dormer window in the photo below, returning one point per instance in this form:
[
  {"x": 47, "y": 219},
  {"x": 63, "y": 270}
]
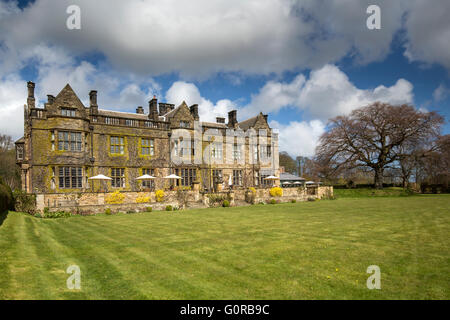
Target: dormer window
[{"x": 68, "y": 112}]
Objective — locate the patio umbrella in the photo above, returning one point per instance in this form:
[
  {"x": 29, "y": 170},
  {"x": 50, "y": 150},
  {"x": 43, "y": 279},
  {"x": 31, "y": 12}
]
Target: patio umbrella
[
  {"x": 99, "y": 177},
  {"x": 286, "y": 182},
  {"x": 271, "y": 178},
  {"x": 297, "y": 182},
  {"x": 145, "y": 177},
  {"x": 172, "y": 176}
]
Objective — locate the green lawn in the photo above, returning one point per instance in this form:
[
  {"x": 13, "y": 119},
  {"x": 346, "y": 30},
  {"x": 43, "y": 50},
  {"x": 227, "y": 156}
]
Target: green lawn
[
  {"x": 368, "y": 192},
  {"x": 310, "y": 250}
]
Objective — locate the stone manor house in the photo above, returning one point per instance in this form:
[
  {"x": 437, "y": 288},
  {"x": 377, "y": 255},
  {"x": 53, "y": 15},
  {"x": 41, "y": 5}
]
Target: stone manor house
[{"x": 65, "y": 143}]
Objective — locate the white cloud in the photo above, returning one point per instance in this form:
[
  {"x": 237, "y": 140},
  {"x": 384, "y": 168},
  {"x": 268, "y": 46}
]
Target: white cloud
[
  {"x": 327, "y": 92},
  {"x": 202, "y": 37},
  {"x": 299, "y": 138},
  {"x": 275, "y": 95},
  {"x": 428, "y": 32},
  {"x": 13, "y": 93},
  {"x": 441, "y": 93},
  {"x": 208, "y": 111}
]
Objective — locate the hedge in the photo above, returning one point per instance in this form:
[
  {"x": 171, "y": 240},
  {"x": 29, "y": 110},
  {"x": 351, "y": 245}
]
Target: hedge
[{"x": 6, "y": 197}]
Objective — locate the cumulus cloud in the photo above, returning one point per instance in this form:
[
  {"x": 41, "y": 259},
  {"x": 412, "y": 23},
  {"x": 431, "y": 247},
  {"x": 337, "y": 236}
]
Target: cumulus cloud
[
  {"x": 299, "y": 138},
  {"x": 202, "y": 37},
  {"x": 208, "y": 111},
  {"x": 441, "y": 93},
  {"x": 12, "y": 93},
  {"x": 428, "y": 32},
  {"x": 326, "y": 93}
]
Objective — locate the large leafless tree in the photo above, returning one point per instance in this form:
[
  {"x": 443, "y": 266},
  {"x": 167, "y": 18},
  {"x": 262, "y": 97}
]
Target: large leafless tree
[{"x": 375, "y": 137}]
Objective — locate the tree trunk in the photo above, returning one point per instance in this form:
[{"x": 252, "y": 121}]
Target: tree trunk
[
  {"x": 379, "y": 178},
  {"x": 405, "y": 182}
]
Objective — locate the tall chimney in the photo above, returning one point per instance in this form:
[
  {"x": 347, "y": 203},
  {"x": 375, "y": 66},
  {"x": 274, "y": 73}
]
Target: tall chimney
[
  {"x": 30, "y": 100},
  {"x": 162, "y": 109},
  {"x": 140, "y": 110},
  {"x": 153, "y": 106},
  {"x": 93, "y": 102},
  {"x": 232, "y": 118},
  {"x": 194, "y": 111},
  {"x": 50, "y": 98}
]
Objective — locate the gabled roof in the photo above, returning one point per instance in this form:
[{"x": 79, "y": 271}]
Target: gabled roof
[
  {"x": 247, "y": 124},
  {"x": 68, "y": 97},
  {"x": 250, "y": 123},
  {"x": 21, "y": 140},
  {"x": 173, "y": 112}
]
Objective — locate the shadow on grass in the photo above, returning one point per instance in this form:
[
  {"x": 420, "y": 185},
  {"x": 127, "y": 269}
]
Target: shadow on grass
[{"x": 3, "y": 216}]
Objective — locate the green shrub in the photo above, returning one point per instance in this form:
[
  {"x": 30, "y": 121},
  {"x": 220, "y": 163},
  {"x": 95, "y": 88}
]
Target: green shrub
[
  {"x": 108, "y": 211},
  {"x": 6, "y": 198},
  {"x": 273, "y": 201},
  {"x": 57, "y": 214},
  {"x": 169, "y": 208},
  {"x": 226, "y": 203},
  {"x": 148, "y": 209},
  {"x": 24, "y": 202},
  {"x": 215, "y": 199},
  {"x": 293, "y": 201}
]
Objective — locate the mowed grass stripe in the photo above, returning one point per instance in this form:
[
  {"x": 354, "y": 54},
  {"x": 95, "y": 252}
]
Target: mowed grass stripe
[
  {"x": 312, "y": 250},
  {"x": 7, "y": 240},
  {"x": 102, "y": 272},
  {"x": 177, "y": 261}
]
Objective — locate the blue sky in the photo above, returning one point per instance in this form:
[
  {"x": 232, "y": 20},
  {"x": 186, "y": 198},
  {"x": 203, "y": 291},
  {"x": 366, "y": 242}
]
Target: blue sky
[{"x": 302, "y": 62}]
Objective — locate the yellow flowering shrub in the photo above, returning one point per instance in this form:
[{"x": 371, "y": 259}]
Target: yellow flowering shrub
[
  {"x": 252, "y": 190},
  {"x": 143, "y": 199},
  {"x": 276, "y": 192},
  {"x": 159, "y": 194},
  {"x": 115, "y": 198}
]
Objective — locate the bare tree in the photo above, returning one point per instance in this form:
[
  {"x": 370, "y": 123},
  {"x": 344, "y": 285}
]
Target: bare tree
[
  {"x": 373, "y": 136},
  {"x": 6, "y": 143},
  {"x": 8, "y": 169}
]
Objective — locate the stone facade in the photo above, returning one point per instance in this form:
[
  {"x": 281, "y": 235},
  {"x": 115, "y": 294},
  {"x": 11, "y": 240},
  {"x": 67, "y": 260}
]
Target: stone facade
[
  {"x": 96, "y": 202},
  {"x": 66, "y": 142}
]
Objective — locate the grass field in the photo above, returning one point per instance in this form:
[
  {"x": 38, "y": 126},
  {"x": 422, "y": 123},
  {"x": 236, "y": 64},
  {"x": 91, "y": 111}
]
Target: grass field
[
  {"x": 368, "y": 192},
  {"x": 310, "y": 250}
]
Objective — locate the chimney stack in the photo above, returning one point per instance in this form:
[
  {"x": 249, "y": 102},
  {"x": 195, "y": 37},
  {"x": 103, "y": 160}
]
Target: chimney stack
[
  {"x": 153, "y": 107},
  {"x": 220, "y": 120},
  {"x": 194, "y": 111},
  {"x": 140, "y": 110},
  {"x": 232, "y": 118},
  {"x": 50, "y": 99},
  {"x": 93, "y": 102},
  {"x": 165, "y": 108},
  {"x": 30, "y": 100}
]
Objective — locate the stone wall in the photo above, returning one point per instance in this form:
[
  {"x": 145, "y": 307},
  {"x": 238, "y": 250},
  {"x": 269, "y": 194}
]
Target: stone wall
[{"x": 96, "y": 202}]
